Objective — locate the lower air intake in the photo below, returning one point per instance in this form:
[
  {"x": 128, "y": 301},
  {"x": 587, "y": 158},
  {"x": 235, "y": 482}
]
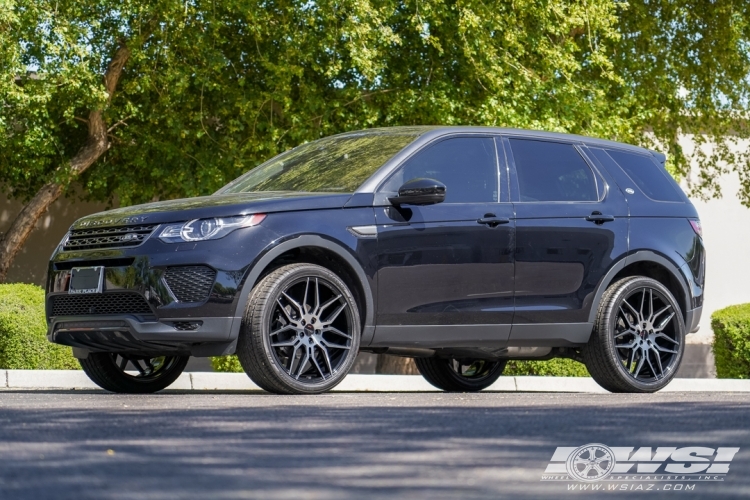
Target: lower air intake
[
  {"x": 190, "y": 283},
  {"x": 98, "y": 304}
]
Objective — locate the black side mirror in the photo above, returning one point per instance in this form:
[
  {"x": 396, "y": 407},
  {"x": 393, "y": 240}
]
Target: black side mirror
[{"x": 419, "y": 192}]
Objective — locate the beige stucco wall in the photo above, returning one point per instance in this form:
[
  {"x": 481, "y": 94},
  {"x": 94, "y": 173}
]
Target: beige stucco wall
[
  {"x": 30, "y": 265},
  {"x": 726, "y": 236}
]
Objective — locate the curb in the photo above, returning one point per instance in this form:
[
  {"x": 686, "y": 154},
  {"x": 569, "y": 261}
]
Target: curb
[{"x": 211, "y": 381}]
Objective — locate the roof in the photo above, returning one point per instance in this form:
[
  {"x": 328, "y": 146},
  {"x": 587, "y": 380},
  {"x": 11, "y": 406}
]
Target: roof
[
  {"x": 438, "y": 130},
  {"x": 425, "y": 134}
]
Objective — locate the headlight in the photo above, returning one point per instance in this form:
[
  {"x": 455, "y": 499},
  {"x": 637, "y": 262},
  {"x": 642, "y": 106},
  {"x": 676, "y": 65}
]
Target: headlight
[{"x": 208, "y": 229}]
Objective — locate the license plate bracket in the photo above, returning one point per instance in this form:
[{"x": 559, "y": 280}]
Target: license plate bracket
[{"x": 86, "y": 280}]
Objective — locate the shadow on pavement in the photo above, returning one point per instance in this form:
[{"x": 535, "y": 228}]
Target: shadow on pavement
[{"x": 55, "y": 444}]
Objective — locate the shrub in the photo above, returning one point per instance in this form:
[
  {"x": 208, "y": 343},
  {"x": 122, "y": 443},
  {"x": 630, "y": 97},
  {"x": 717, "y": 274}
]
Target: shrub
[
  {"x": 23, "y": 332},
  {"x": 557, "y": 367},
  {"x": 226, "y": 364},
  {"x": 731, "y": 345}
]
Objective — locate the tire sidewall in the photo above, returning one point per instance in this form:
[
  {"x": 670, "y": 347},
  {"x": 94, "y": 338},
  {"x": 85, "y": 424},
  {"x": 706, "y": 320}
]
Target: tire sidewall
[
  {"x": 438, "y": 372},
  {"x": 265, "y": 309},
  {"x": 102, "y": 370},
  {"x": 616, "y": 301},
  {"x": 476, "y": 384}
]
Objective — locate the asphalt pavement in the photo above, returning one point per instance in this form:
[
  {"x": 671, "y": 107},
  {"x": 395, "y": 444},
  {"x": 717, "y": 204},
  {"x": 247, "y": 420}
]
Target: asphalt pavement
[{"x": 94, "y": 445}]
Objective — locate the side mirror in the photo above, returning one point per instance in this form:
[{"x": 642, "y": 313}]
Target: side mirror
[{"x": 419, "y": 192}]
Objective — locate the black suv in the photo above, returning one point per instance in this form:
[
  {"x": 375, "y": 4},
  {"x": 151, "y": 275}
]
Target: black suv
[{"x": 461, "y": 247}]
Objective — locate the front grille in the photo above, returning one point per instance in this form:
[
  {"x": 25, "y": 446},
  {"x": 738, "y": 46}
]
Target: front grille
[
  {"x": 190, "y": 283},
  {"x": 108, "y": 237},
  {"x": 98, "y": 304}
]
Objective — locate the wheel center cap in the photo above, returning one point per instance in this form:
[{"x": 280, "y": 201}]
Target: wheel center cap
[{"x": 309, "y": 330}]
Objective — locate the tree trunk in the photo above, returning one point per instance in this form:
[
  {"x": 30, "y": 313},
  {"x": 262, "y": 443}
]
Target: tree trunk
[
  {"x": 395, "y": 365},
  {"x": 95, "y": 146}
]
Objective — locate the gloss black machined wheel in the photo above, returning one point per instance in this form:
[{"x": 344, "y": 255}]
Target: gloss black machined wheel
[
  {"x": 133, "y": 374},
  {"x": 639, "y": 337},
  {"x": 301, "y": 331},
  {"x": 460, "y": 375}
]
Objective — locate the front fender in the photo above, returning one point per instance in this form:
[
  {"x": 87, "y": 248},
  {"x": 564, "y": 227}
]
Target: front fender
[{"x": 306, "y": 240}]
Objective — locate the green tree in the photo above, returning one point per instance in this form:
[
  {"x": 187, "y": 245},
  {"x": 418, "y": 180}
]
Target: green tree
[{"x": 159, "y": 99}]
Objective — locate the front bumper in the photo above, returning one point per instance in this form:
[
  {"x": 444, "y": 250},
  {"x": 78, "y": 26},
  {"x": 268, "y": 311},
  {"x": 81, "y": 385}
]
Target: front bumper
[
  {"x": 193, "y": 336},
  {"x": 693, "y": 319},
  {"x": 140, "y": 310}
]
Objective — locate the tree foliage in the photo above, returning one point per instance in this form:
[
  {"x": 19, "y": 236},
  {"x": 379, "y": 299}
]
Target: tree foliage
[{"x": 211, "y": 89}]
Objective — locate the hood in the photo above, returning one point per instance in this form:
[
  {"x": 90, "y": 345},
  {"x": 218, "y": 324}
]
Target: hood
[{"x": 221, "y": 205}]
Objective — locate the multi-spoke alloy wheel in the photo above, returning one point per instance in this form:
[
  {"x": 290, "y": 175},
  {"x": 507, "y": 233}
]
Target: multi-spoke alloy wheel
[
  {"x": 460, "y": 375},
  {"x": 645, "y": 334},
  {"x": 639, "y": 337},
  {"x": 130, "y": 373},
  {"x": 301, "y": 331}
]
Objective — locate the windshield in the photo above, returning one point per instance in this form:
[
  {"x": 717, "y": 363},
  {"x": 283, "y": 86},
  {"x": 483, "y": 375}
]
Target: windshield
[{"x": 338, "y": 164}]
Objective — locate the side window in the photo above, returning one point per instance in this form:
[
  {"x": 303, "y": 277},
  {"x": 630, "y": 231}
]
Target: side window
[
  {"x": 651, "y": 178},
  {"x": 466, "y": 165},
  {"x": 552, "y": 171}
]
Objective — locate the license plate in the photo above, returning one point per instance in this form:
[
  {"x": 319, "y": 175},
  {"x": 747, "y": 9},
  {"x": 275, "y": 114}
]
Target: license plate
[{"x": 86, "y": 280}]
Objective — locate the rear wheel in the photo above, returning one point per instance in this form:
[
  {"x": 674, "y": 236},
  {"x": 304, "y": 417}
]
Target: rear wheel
[
  {"x": 301, "y": 331},
  {"x": 460, "y": 375},
  {"x": 638, "y": 339},
  {"x": 133, "y": 374}
]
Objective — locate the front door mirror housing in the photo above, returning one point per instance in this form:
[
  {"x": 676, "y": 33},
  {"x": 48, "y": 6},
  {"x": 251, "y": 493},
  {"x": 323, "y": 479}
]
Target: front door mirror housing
[{"x": 419, "y": 192}]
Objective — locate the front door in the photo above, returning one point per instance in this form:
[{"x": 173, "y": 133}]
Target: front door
[
  {"x": 570, "y": 226},
  {"x": 445, "y": 271}
]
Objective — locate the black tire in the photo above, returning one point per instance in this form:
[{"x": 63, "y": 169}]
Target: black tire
[
  {"x": 108, "y": 371},
  {"x": 444, "y": 373},
  {"x": 627, "y": 351},
  {"x": 279, "y": 366}
]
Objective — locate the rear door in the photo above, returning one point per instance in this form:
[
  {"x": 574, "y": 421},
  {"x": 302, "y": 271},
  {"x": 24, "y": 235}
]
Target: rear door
[
  {"x": 571, "y": 224},
  {"x": 445, "y": 271}
]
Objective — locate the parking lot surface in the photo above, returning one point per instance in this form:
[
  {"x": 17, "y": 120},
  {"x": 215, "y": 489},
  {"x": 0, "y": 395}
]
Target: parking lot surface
[{"x": 82, "y": 445}]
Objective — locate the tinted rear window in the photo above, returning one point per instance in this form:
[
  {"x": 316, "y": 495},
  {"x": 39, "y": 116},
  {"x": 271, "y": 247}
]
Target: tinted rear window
[
  {"x": 651, "y": 178},
  {"x": 552, "y": 171}
]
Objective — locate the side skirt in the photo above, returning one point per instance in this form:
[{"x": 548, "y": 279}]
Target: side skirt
[{"x": 492, "y": 336}]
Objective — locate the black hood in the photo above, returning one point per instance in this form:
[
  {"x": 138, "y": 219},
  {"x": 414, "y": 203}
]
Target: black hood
[{"x": 221, "y": 205}]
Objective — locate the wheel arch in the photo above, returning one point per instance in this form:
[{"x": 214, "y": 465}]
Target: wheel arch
[
  {"x": 651, "y": 265},
  {"x": 313, "y": 249}
]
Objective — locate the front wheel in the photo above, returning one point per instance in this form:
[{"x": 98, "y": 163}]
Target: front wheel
[
  {"x": 301, "y": 331},
  {"x": 638, "y": 338},
  {"x": 133, "y": 374},
  {"x": 460, "y": 375}
]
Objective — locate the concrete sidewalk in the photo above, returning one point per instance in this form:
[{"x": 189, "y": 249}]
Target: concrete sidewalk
[{"x": 212, "y": 381}]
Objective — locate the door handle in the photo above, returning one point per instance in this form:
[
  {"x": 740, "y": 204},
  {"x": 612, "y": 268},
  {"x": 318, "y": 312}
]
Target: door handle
[
  {"x": 492, "y": 220},
  {"x": 598, "y": 219}
]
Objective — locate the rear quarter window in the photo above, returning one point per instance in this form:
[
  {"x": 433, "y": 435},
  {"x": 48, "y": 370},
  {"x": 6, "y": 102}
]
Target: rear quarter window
[
  {"x": 552, "y": 171},
  {"x": 651, "y": 178}
]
